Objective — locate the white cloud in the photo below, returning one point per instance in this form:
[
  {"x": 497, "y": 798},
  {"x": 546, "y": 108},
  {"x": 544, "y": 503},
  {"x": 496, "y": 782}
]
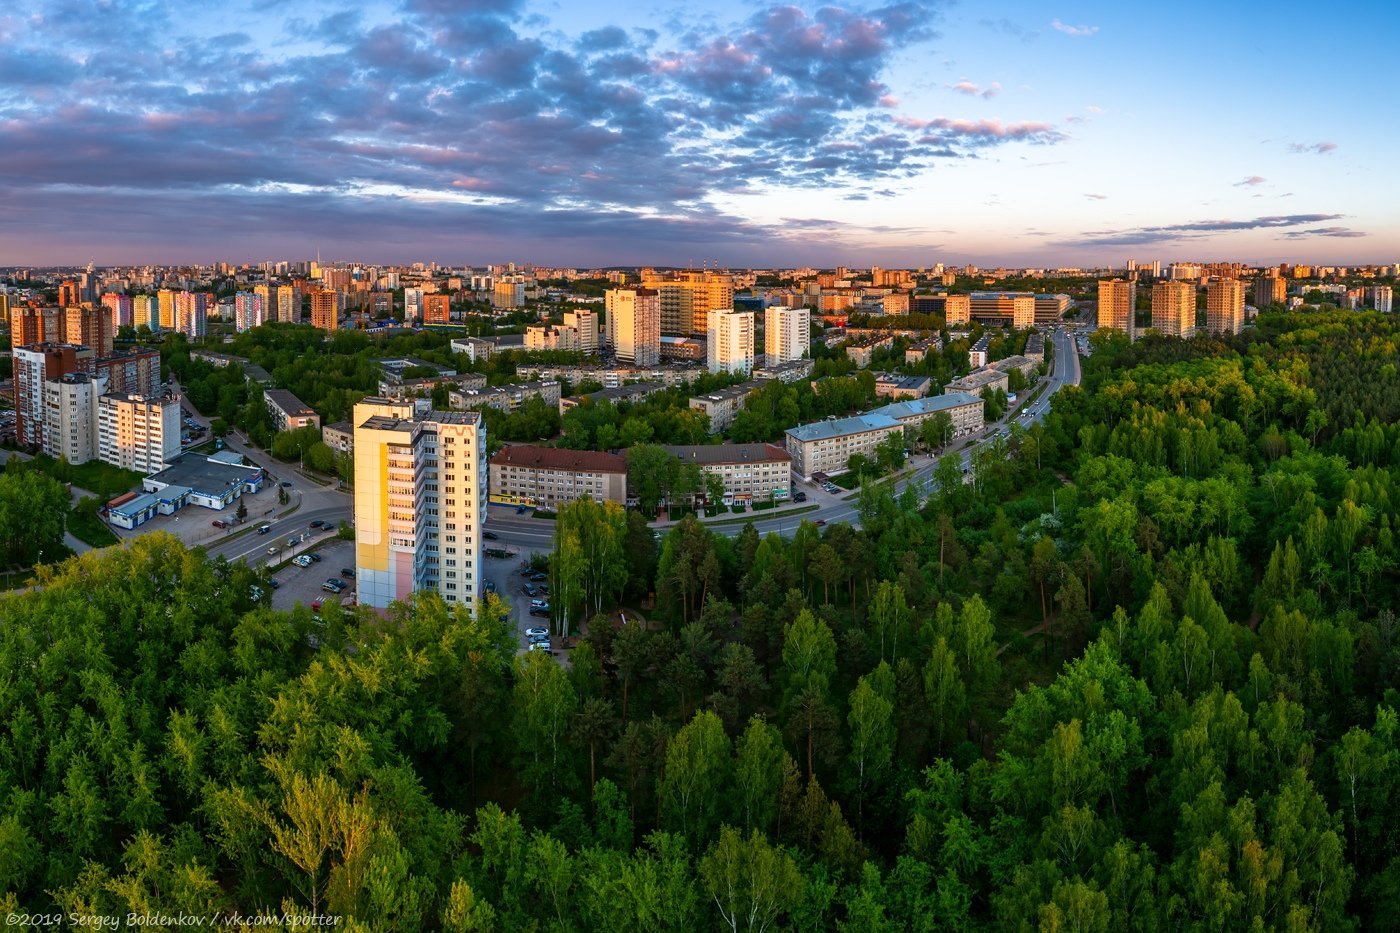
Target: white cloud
[{"x": 1077, "y": 31}]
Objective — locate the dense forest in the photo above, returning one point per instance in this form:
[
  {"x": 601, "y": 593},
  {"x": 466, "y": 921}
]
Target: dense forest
[{"x": 1139, "y": 671}]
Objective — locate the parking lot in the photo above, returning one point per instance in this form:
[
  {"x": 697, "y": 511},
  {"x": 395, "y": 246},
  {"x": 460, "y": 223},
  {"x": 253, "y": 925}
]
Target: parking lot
[
  {"x": 303, "y": 584},
  {"x": 508, "y": 576}
]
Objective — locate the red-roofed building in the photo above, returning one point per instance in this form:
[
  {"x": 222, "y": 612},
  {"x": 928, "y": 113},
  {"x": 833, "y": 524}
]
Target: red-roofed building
[{"x": 550, "y": 477}]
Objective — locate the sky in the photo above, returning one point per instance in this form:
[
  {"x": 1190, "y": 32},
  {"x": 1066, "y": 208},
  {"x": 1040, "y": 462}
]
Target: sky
[{"x": 701, "y": 133}]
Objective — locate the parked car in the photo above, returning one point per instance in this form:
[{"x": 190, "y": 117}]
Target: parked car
[
  {"x": 337, "y": 582},
  {"x": 799, "y": 497},
  {"x": 490, "y": 586},
  {"x": 490, "y": 535},
  {"x": 272, "y": 582},
  {"x": 347, "y": 572},
  {"x": 537, "y": 632},
  {"x": 220, "y": 523},
  {"x": 330, "y": 589},
  {"x": 530, "y": 589},
  {"x": 302, "y": 560},
  {"x": 536, "y": 603},
  {"x": 256, "y": 592},
  {"x": 542, "y": 646},
  {"x": 315, "y": 558},
  {"x": 539, "y": 611},
  {"x": 316, "y": 606}
]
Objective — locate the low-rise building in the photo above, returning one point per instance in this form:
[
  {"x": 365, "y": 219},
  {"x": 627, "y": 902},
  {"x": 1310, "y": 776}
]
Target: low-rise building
[
  {"x": 549, "y": 337},
  {"x": 861, "y": 352},
  {"x": 1035, "y": 347},
  {"x": 396, "y": 367},
  {"x": 974, "y": 382},
  {"x": 628, "y": 393},
  {"x": 505, "y": 398},
  {"x": 550, "y": 477},
  {"x": 214, "y": 482},
  {"x": 721, "y": 405},
  {"x": 827, "y": 446},
  {"x": 138, "y": 433},
  {"x": 424, "y": 386},
  {"x": 687, "y": 349},
  {"x": 966, "y": 412},
  {"x": 920, "y": 351},
  {"x": 897, "y": 385},
  {"x": 977, "y": 356},
  {"x": 289, "y": 412},
  {"x": 1027, "y": 365},
  {"x": 476, "y": 348},
  {"x": 339, "y": 437},
  {"x": 791, "y": 371},
  {"x": 750, "y": 472}
]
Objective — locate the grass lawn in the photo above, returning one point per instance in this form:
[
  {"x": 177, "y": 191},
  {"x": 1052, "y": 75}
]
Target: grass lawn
[
  {"x": 87, "y": 527},
  {"x": 101, "y": 479},
  {"x": 846, "y": 480}
]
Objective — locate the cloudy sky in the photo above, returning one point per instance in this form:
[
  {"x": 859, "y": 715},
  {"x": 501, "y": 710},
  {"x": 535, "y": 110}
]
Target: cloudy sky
[{"x": 475, "y": 131}]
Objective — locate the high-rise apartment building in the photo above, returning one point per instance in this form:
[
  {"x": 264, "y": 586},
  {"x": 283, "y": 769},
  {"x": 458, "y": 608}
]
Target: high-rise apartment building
[
  {"x": 687, "y": 298},
  {"x": 70, "y": 416},
  {"x": 288, "y": 304},
  {"x": 634, "y": 325},
  {"x": 787, "y": 335},
  {"x": 412, "y": 304},
  {"x": 1379, "y": 297},
  {"x": 585, "y": 323},
  {"x": 729, "y": 341},
  {"x": 134, "y": 371},
  {"x": 1269, "y": 289},
  {"x": 145, "y": 309},
  {"x": 420, "y": 501},
  {"x": 69, "y": 293},
  {"x": 249, "y": 310},
  {"x": 957, "y": 309},
  {"x": 88, "y": 326},
  {"x": 118, "y": 309},
  {"x": 325, "y": 309},
  {"x": 1174, "y": 308},
  {"x": 29, "y": 326},
  {"x": 34, "y": 365},
  {"x": 1116, "y": 306},
  {"x": 508, "y": 293},
  {"x": 137, "y": 433},
  {"x": 192, "y": 313},
  {"x": 166, "y": 299},
  {"x": 1225, "y": 306},
  {"x": 437, "y": 309}
]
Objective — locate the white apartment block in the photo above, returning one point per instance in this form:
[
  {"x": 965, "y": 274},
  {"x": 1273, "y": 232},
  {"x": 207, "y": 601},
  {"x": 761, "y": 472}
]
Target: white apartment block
[
  {"x": 633, "y": 324},
  {"x": 70, "y": 416},
  {"x": 729, "y": 341},
  {"x": 585, "y": 325},
  {"x": 288, "y": 304},
  {"x": 1379, "y": 297},
  {"x": 750, "y": 472},
  {"x": 420, "y": 501},
  {"x": 787, "y": 334},
  {"x": 137, "y": 433},
  {"x": 549, "y": 337},
  {"x": 827, "y": 446}
]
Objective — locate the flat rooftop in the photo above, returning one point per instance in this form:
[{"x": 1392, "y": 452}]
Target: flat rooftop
[
  {"x": 203, "y": 475},
  {"x": 709, "y": 454},
  {"x": 841, "y": 427}
]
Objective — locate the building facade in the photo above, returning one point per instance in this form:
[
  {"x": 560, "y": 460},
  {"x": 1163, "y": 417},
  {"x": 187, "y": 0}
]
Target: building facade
[
  {"x": 750, "y": 472},
  {"x": 88, "y": 326},
  {"x": 325, "y": 309},
  {"x": 70, "y": 416},
  {"x": 33, "y": 366},
  {"x": 787, "y": 334},
  {"x": 289, "y": 412},
  {"x": 1117, "y": 299},
  {"x": 729, "y": 341},
  {"x": 1174, "y": 308},
  {"x": 685, "y": 299},
  {"x": 1225, "y": 306},
  {"x": 551, "y": 477},
  {"x": 1269, "y": 289},
  {"x": 633, "y": 324},
  {"x": 420, "y": 500},
  {"x": 585, "y": 326},
  {"x": 137, "y": 433}
]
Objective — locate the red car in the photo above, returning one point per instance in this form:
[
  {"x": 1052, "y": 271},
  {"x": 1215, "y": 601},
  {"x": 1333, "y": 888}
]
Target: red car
[{"x": 316, "y": 606}]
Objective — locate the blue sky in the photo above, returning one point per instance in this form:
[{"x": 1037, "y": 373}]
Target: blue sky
[{"x": 903, "y": 133}]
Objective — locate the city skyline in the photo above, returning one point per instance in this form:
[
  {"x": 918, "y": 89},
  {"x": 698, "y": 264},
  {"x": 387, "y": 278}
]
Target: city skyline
[{"x": 896, "y": 135}]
